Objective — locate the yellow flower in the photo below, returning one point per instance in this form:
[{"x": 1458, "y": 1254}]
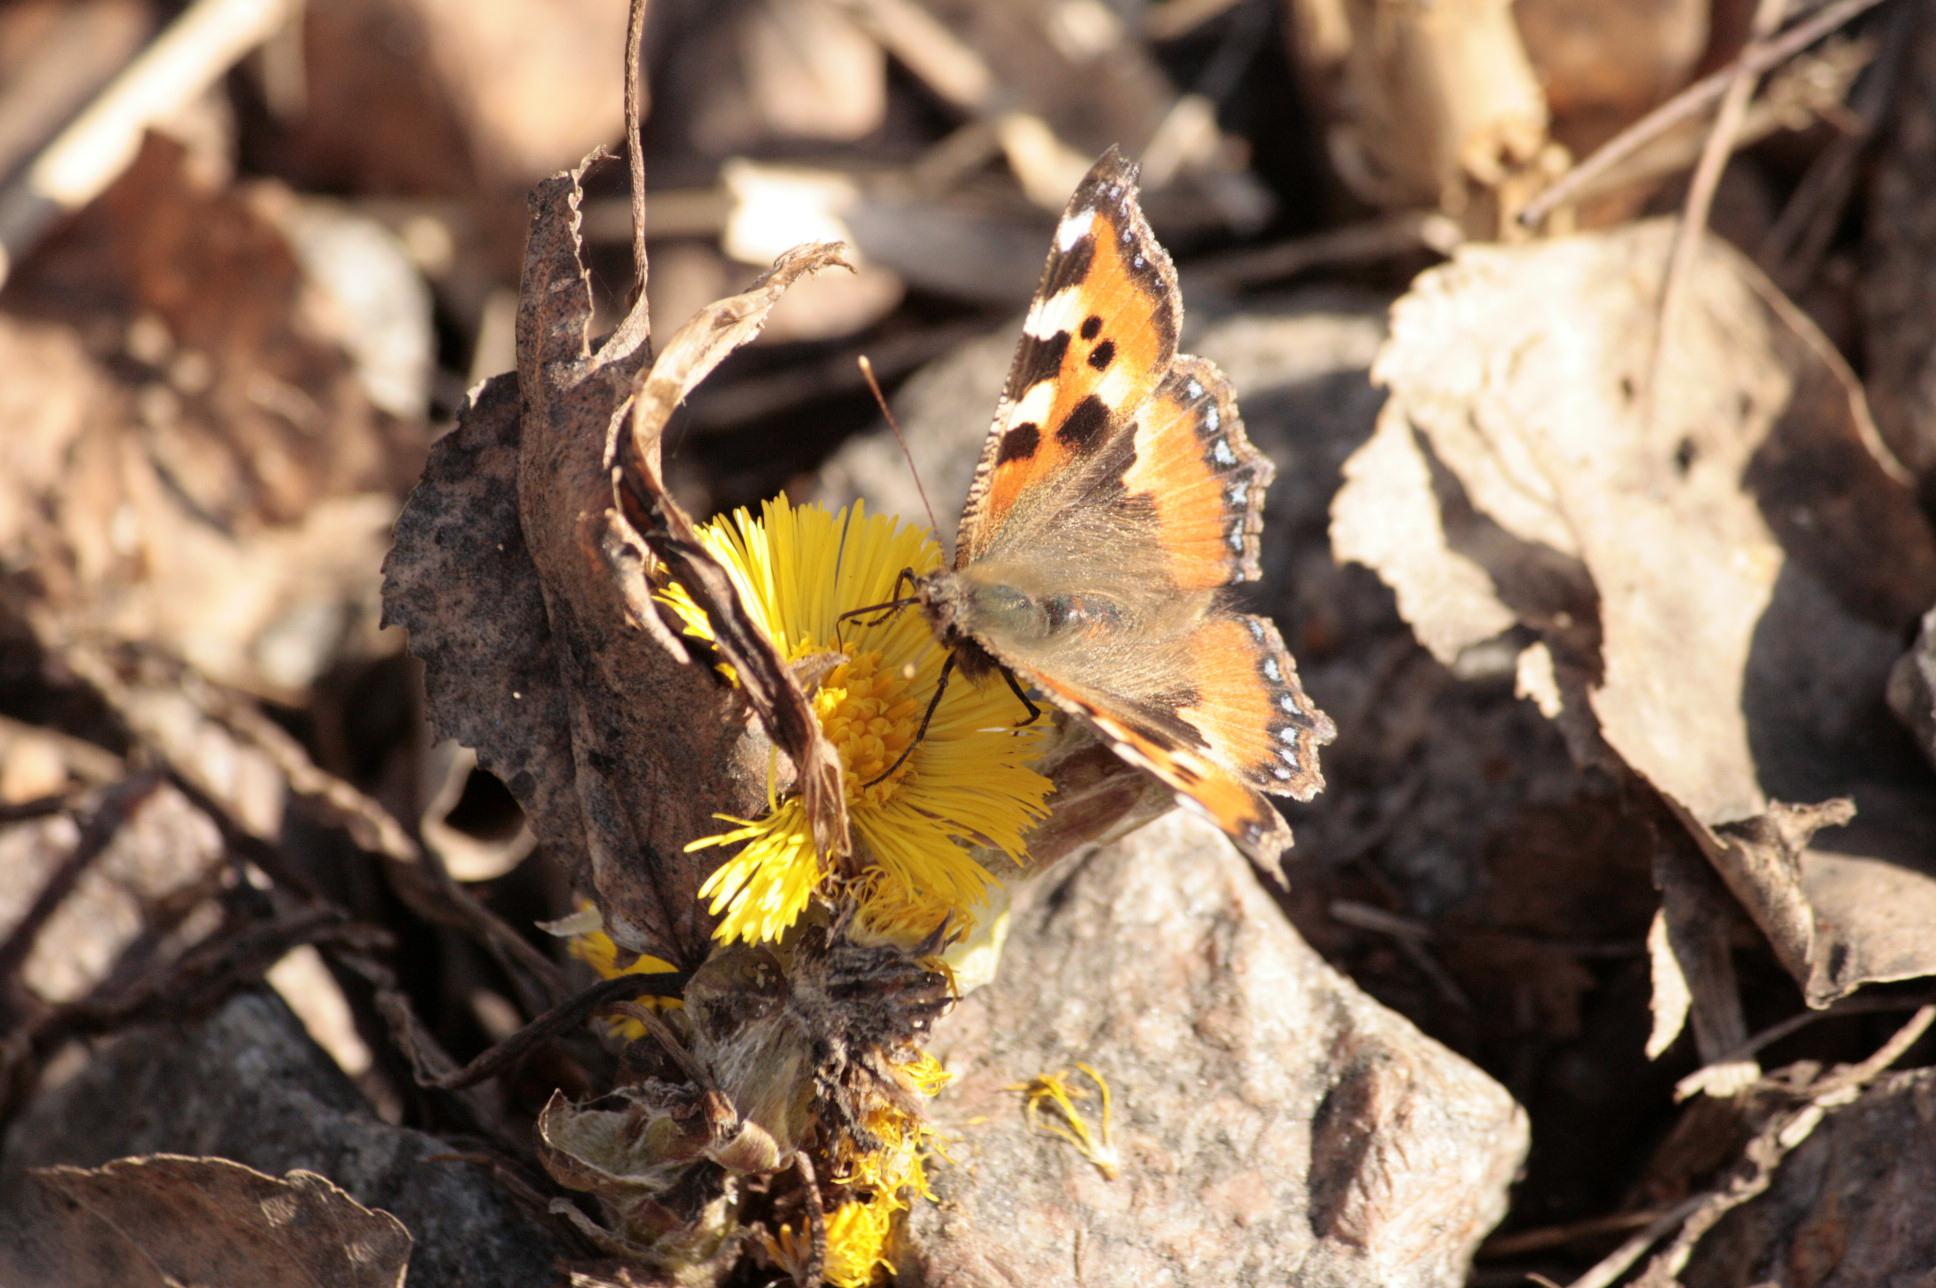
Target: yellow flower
[
  {"x": 857, "y": 1243},
  {"x": 595, "y": 948},
  {"x": 967, "y": 782},
  {"x": 857, "y": 1234},
  {"x": 926, "y": 1074},
  {"x": 883, "y": 1179}
]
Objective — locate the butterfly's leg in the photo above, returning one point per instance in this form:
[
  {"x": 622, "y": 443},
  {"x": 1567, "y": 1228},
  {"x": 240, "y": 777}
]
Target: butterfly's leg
[
  {"x": 886, "y": 609},
  {"x": 1034, "y": 712},
  {"x": 940, "y": 687}
]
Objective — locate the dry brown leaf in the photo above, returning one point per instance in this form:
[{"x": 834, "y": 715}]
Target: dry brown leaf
[
  {"x": 1707, "y": 584},
  {"x": 1053, "y": 86},
  {"x": 126, "y": 850},
  {"x": 442, "y": 96},
  {"x": 212, "y": 1221},
  {"x": 692, "y": 353},
  {"x": 1912, "y": 688},
  {"x": 738, "y": 78},
  {"x": 1080, "y": 71},
  {"x": 1794, "y": 1204},
  {"x": 1690, "y": 950},
  {"x": 525, "y": 592},
  {"x": 192, "y": 461},
  {"x": 1600, "y": 66}
]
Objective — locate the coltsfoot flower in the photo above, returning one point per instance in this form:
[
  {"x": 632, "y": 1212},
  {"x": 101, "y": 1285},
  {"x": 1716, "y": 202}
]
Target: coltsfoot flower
[{"x": 967, "y": 782}]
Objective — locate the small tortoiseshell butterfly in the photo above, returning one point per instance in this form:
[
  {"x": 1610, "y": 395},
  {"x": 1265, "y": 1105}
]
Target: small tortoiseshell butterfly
[{"x": 1116, "y": 500}]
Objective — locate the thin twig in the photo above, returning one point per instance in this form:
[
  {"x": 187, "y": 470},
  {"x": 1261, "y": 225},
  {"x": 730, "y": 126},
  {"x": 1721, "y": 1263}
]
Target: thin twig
[
  {"x": 104, "y": 822},
  {"x": 1693, "y": 100},
  {"x": 1407, "y": 232},
  {"x": 1617, "y": 1262},
  {"x": 634, "y": 149},
  {"x": 1857, "y": 1076},
  {"x": 1779, "y": 1137},
  {"x": 1800, "y": 235},
  {"x": 816, "y": 1220},
  {"x": 1545, "y": 1238},
  {"x": 566, "y": 1015},
  {"x": 1774, "y": 1033},
  {"x": 1692, "y": 225},
  {"x": 668, "y": 1041},
  {"x": 335, "y": 801},
  {"x": 196, "y": 51},
  {"x": 38, "y": 807}
]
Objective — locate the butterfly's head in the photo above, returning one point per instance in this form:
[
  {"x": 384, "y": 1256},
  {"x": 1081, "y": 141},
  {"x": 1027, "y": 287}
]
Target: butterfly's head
[{"x": 957, "y": 609}]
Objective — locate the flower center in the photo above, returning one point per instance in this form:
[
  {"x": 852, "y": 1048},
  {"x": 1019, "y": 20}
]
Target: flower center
[{"x": 870, "y": 716}]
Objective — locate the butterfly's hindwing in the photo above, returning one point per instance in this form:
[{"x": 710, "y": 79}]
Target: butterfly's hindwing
[
  {"x": 1251, "y": 709},
  {"x": 1145, "y": 733}
]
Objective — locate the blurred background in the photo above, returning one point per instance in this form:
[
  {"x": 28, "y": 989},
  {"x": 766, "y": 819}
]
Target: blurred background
[{"x": 253, "y": 254}]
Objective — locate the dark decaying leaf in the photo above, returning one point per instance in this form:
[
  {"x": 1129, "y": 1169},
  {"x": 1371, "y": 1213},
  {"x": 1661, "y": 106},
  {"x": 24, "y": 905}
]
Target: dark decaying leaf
[
  {"x": 212, "y": 1221},
  {"x": 692, "y": 353},
  {"x": 1834, "y": 1194},
  {"x": 1702, "y": 586},
  {"x": 1912, "y": 688},
  {"x": 526, "y": 594}
]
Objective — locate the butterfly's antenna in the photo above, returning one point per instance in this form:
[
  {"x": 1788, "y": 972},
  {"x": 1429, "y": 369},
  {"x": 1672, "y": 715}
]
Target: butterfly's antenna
[{"x": 867, "y": 373}]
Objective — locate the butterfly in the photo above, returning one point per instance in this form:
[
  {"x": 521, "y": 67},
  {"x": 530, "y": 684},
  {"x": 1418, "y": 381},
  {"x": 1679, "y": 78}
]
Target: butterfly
[{"x": 1117, "y": 501}]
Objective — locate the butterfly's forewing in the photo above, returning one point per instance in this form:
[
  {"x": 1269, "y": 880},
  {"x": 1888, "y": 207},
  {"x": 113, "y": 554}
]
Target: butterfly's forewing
[{"x": 1097, "y": 340}]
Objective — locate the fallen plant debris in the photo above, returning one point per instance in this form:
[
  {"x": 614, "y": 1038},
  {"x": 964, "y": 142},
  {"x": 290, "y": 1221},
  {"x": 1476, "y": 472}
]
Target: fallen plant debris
[{"x": 625, "y": 915}]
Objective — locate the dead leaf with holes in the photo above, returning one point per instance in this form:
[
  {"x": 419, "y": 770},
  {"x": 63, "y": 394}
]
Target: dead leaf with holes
[
  {"x": 520, "y": 569},
  {"x": 1703, "y": 592}
]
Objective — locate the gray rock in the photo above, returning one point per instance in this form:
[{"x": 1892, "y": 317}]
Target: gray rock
[{"x": 1274, "y": 1124}]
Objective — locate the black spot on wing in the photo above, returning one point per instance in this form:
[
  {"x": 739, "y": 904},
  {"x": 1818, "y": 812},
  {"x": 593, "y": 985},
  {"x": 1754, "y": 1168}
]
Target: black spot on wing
[
  {"x": 1036, "y": 360},
  {"x": 1102, "y": 355},
  {"x": 1085, "y": 425},
  {"x": 1091, "y": 327},
  {"x": 1019, "y": 443}
]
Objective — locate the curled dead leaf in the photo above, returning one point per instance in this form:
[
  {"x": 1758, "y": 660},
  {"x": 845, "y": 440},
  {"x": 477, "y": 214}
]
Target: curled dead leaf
[
  {"x": 769, "y": 684},
  {"x": 1705, "y": 580},
  {"x": 523, "y": 580}
]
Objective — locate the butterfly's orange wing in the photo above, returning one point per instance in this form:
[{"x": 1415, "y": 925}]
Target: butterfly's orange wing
[
  {"x": 1118, "y": 486},
  {"x": 1099, "y": 335},
  {"x": 1242, "y": 727}
]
